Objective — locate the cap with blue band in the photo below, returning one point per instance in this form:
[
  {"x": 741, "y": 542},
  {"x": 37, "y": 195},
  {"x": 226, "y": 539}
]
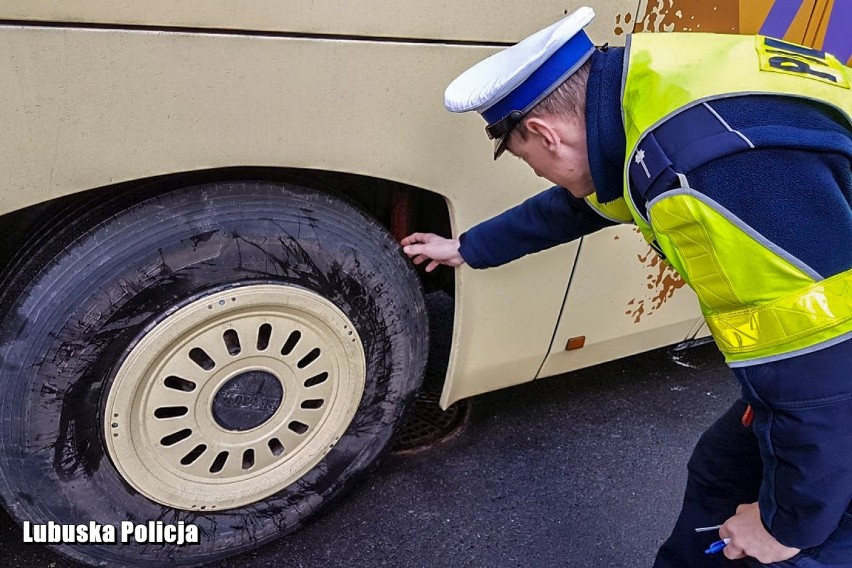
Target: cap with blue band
[{"x": 510, "y": 83}]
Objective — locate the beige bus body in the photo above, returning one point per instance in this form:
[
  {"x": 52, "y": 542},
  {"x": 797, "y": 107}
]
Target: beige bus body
[{"x": 89, "y": 105}]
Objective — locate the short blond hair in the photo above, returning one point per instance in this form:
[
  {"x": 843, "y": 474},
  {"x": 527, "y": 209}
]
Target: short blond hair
[{"x": 568, "y": 99}]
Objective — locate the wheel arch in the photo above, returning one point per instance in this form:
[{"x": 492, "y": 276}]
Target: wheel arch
[{"x": 399, "y": 207}]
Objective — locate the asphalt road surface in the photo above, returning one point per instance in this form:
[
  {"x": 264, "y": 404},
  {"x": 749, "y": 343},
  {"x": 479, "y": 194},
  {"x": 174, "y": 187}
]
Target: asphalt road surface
[{"x": 581, "y": 470}]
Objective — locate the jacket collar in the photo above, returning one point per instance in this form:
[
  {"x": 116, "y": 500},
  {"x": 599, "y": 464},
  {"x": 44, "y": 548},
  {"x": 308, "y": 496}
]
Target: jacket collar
[{"x": 604, "y": 125}]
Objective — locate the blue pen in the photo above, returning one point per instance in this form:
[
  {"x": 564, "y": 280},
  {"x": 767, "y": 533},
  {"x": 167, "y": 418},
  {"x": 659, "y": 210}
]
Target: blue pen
[{"x": 717, "y": 546}]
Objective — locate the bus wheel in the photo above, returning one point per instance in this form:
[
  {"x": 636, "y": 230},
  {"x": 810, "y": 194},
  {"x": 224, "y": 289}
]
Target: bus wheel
[{"x": 223, "y": 359}]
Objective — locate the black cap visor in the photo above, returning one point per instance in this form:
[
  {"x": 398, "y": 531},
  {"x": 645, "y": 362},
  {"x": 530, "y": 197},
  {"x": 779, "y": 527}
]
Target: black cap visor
[{"x": 499, "y": 131}]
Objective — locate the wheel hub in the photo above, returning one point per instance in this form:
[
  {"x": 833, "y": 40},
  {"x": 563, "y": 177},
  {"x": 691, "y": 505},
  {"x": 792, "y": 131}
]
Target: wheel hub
[
  {"x": 247, "y": 400},
  {"x": 234, "y": 396}
]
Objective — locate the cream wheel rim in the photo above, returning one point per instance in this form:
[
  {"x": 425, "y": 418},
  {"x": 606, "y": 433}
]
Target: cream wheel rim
[{"x": 234, "y": 396}]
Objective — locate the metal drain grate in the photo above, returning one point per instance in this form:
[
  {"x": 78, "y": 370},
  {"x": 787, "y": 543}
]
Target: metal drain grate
[{"x": 427, "y": 424}]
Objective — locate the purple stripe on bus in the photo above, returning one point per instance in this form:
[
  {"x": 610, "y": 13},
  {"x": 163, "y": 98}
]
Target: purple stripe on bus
[
  {"x": 780, "y": 16},
  {"x": 838, "y": 39}
]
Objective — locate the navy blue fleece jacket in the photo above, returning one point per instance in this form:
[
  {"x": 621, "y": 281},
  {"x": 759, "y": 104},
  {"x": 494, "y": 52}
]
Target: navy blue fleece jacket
[{"x": 795, "y": 189}]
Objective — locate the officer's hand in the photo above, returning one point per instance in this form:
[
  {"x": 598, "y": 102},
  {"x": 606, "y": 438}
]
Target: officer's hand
[
  {"x": 750, "y": 538},
  {"x": 428, "y": 246}
]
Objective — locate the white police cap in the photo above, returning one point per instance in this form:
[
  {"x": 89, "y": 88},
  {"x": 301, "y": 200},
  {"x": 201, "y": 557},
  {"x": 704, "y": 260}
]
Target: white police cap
[{"x": 507, "y": 85}]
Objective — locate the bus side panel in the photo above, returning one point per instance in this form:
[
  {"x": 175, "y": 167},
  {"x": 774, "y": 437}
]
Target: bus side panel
[
  {"x": 475, "y": 20},
  {"x": 87, "y": 108},
  {"x": 623, "y": 299}
]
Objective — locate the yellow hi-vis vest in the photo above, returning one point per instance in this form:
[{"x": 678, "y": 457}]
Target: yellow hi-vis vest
[{"x": 758, "y": 305}]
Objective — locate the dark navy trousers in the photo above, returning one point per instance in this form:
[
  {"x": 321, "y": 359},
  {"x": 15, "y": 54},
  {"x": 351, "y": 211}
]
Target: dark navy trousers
[{"x": 802, "y": 404}]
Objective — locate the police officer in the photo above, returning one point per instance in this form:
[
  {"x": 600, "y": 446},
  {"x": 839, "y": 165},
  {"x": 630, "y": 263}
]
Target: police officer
[{"x": 732, "y": 155}]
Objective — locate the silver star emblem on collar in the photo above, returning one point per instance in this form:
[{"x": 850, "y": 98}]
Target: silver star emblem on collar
[{"x": 639, "y": 158}]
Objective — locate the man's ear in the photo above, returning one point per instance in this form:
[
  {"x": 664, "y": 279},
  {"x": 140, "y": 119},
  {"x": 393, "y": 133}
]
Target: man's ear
[{"x": 546, "y": 130}]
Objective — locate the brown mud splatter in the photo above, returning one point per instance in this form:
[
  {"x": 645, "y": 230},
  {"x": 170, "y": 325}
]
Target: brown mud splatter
[
  {"x": 662, "y": 279},
  {"x": 720, "y": 16}
]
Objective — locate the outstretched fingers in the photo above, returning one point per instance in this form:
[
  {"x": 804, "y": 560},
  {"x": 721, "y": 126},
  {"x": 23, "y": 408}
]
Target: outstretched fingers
[
  {"x": 421, "y": 247},
  {"x": 415, "y": 238}
]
